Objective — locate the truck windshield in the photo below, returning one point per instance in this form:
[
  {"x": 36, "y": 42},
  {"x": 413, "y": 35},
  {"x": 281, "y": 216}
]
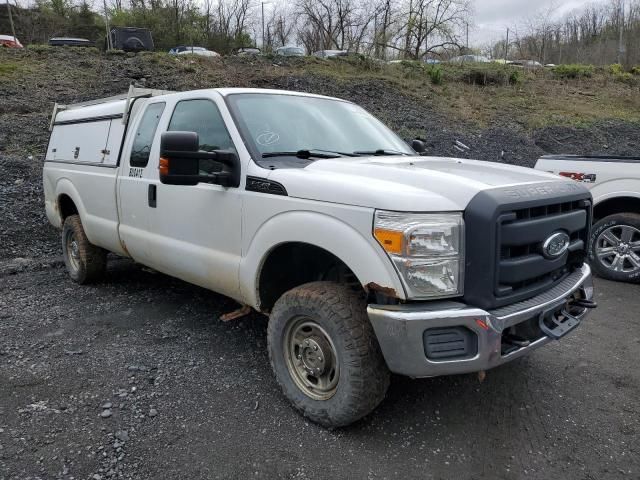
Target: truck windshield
[{"x": 273, "y": 124}]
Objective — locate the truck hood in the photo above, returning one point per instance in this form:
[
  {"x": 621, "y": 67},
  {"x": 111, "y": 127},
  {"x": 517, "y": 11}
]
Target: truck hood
[{"x": 404, "y": 183}]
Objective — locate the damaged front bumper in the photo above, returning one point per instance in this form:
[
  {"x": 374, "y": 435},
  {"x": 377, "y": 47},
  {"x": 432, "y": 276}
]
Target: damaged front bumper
[{"x": 444, "y": 337}]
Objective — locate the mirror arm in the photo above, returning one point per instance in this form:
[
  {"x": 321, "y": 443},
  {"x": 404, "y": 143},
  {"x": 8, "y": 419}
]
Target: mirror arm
[{"x": 222, "y": 178}]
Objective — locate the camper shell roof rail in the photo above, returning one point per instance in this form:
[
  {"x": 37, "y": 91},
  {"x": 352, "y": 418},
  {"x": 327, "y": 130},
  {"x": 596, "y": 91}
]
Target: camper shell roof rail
[{"x": 132, "y": 94}]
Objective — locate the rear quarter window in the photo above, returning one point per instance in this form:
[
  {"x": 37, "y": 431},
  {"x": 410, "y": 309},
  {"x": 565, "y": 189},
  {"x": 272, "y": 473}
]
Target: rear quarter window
[{"x": 143, "y": 140}]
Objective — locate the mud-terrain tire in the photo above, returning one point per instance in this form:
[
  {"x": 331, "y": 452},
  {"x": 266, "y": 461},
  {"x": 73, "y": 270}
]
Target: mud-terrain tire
[
  {"x": 85, "y": 262},
  {"x": 614, "y": 247},
  {"x": 328, "y": 321}
]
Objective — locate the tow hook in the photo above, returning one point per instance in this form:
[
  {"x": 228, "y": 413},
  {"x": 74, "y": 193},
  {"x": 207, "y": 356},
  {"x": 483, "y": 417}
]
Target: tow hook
[
  {"x": 584, "y": 303},
  {"x": 516, "y": 341}
]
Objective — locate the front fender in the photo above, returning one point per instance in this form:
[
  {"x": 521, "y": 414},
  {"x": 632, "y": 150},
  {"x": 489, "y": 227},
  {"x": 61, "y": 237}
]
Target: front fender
[
  {"x": 624, "y": 187},
  {"x": 361, "y": 253}
]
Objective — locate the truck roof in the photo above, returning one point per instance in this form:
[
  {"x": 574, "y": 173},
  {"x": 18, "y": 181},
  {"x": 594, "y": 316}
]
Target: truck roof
[
  {"x": 115, "y": 106},
  {"x": 229, "y": 91}
]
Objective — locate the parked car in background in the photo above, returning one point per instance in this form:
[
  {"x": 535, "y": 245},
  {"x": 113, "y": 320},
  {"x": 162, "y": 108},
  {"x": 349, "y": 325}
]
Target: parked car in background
[
  {"x": 131, "y": 39},
  {"x": 185, "y": 48},
  {"x": 528, "y": 64},
  {"x": 200, "y": 51},
  {"x": 289, "y": 52},
  {"x": 70, "y": 42},
  {"x": 330, "y": 53},
  {"x": 247, "y": 51},
  {"x": 469, "y": 59},
  {"x": 614, "y": 243},
  {"x": 9, "y": 41}
]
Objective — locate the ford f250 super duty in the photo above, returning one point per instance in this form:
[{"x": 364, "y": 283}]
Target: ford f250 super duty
[
  {"x": 614, "y": 182},
  {"x": 367, "y": 257}
]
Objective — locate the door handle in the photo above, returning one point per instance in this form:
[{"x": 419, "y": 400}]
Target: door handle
[{"x": 152, "y": 195}]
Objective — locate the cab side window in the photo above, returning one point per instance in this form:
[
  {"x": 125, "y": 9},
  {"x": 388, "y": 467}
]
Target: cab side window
[
  {"x": 203, "y": 117},
  {"x": 143, "y": 140}
]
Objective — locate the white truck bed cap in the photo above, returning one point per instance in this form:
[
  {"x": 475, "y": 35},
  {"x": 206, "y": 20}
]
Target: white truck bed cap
[{"x": 117, "y": 105}]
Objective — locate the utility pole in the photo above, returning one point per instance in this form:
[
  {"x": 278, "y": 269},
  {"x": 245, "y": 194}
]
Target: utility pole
[
  {"x": 467, "y": 37},
  {"x": 506, "y": 48},
  {"x": 375, "y": 34},
  {"x": 621, "y": 48},
  {"x": 106, "y": 25},
  {"x": 560, "y": 44},
  {"x": 13, "y": 29}
]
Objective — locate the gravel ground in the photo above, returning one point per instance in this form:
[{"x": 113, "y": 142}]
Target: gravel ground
[{"x": 137, "y": 378}]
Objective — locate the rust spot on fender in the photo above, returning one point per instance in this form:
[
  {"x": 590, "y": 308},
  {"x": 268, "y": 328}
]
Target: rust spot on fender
[
  {"x": 374, "y": 287},
  {"x": 124, "y": 247}
]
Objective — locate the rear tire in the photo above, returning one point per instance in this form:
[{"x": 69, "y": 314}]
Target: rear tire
[
  {"x": 325, "y": 355},
  {"x": 85, "y": 262},
  {"x": 614, "y": 247}
]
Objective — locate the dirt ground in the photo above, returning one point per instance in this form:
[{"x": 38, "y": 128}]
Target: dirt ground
[{"x": 137, "y": 378}]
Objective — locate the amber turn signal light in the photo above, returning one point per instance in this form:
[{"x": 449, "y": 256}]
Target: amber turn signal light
[
  {"x": 163, "y": 166},
  {"x": 391, "y": 241}
]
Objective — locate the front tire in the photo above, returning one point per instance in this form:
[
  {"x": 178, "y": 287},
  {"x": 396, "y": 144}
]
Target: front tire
[
  {"x": 325, "y": 355},
  {"x": 85, "y": 262},
  {"x": 614, "y": 247}
]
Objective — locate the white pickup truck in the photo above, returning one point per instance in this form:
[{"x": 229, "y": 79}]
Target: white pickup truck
[
  {"x": 614, "y": 245},
  {"x": 367, "y": 258}
]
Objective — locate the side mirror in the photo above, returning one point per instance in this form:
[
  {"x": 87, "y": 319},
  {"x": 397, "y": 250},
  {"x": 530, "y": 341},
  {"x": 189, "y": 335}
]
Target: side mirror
[
  {"x": 180, "y": 157},
  {"x": 418, "y": 146}
]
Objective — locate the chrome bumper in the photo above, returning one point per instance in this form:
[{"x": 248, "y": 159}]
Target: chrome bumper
[{"x": 400, "y": 328}]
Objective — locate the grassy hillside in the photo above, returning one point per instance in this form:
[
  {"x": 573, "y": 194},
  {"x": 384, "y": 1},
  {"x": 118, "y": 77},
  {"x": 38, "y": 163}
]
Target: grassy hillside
[
  {"x": 501, "y": 114},
  {"x": 415, "y": 99}
]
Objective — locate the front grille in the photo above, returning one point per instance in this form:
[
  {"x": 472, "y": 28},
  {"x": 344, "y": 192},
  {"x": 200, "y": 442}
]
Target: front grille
[
  {"x": 522, "y": 270},
  {"x": 505, "y": 231}
]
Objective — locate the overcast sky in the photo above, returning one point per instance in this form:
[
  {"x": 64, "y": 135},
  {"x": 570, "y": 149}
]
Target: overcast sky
[{"x": 492, "y": 17}]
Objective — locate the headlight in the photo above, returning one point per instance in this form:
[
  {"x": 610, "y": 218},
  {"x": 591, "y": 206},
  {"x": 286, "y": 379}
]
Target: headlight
[{"x": 426, "y": 249}]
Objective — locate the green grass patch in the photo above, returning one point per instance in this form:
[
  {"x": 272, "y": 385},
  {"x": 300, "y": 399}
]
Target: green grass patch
[
  {"x": 39, "y": 48},
  {"x": 616, "y": 69},
  {"x": 490, "y": 74},
  {"x": 8, "y": 68},
  {"x": 573, "y": 71},
  {"x": 436, "y": 75}
]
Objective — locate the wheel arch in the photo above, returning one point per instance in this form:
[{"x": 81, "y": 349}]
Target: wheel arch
[
  {"x": 616, "y": 204},
  {"x": 310, "y": 232},
  {"x": 291, "y": 264},
  {"x": 67, "y": 201}
]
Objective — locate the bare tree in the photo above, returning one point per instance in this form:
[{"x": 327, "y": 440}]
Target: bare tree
[{"x": 431, "y": 26}]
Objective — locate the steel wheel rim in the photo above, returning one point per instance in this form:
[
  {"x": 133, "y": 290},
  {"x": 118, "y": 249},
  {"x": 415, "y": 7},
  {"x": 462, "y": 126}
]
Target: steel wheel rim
[
  {"x": 73, "y": 251},
  {"x": 311, "y": 358},
  {"x": 618, "y": 249}
]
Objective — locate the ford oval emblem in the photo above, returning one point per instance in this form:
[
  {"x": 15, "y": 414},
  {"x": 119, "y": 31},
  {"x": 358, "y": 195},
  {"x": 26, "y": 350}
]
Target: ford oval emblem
[{"x": 554, "y": 246}]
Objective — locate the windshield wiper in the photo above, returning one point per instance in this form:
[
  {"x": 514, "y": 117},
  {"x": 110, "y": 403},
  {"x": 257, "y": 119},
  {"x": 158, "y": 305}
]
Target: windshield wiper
[
  {"x": 306, "y": 154},
  {"x": 380, "y": 152}
]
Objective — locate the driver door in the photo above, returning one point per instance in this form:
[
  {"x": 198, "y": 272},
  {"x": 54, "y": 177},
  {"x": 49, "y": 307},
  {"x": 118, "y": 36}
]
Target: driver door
[{"x": 195, "y": 231}]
